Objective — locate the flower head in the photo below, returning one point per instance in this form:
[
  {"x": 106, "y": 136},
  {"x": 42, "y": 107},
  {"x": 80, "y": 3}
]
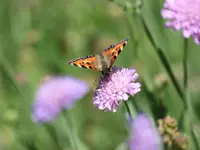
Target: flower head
[
  {"x": 115, "y": 87},
  {"x": 185, "y": 15},
  {"x": 144, "y": 134},
  {"x": 57, "y": 93}
]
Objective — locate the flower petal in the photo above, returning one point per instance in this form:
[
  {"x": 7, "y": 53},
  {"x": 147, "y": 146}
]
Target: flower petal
[
  {"x": 115, "y": 87},
  {"x": 144, "y": 134}
]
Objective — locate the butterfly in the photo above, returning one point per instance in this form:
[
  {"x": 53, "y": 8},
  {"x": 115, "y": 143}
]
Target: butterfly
[{"x": 103, "y": 61}]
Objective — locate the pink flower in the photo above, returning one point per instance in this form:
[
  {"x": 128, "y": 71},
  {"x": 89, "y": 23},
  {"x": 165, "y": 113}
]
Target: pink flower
[
  {"x": 185, "y": 15},
  {"x": 114, "y": 87},
  {"x": 55, "y": 94},
  {"x": 144, "y": 135}
]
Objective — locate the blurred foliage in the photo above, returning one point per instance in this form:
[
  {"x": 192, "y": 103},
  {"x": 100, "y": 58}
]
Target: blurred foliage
[{"x": 38, "y": 38}]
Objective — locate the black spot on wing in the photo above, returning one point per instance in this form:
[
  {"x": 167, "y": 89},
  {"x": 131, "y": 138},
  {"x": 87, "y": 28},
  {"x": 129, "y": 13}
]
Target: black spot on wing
[
  {"x": 83, "y": 66},
  {"x": 124, "y": 44},
  {"x": 85, "y": 57},
  {"x": 109, "y": 47},
  {"x": 81, "y": 58},
  {"x": 88, "y": 63},
  {"x": 112, "y": 46},
  {"x": 90, "y": 67},
  {"x": 119, "y": 51},
  {"x": 115, "y": 57}
]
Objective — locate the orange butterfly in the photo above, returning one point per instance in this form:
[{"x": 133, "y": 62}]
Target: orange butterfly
[{"x": 101, "y": 62}]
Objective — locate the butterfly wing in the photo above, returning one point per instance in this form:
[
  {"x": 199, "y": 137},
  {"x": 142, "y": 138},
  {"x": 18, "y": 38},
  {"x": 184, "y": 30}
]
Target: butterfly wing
[
  {"x": 85, "y": 62},
  {"x": 113, "y": 51},
  {"x": 101, "y": 62}
]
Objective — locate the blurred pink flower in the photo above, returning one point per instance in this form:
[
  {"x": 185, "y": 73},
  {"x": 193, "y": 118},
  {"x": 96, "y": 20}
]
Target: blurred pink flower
[
  {"x": 144, "y": 135},
  {"x": 185, "y": 15},
  {"x": 57, "y": 93}
]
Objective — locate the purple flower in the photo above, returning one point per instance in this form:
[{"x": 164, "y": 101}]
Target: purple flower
[
  {"x": 185, "y": 15},
  {"x": 57, "y": 93},
  {"x": 144, "y": 135},
  {"x": 115, "y": 87}
]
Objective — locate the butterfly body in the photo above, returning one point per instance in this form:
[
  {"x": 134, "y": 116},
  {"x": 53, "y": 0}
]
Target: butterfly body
[{"x": 101, "y": 62}]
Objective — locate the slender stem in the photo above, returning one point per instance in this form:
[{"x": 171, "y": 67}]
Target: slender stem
[
  {"x": 185, "y": 68},
  {"x": 164, "y": 61},
  {"x": 129, "y": 21},
  {"x": 185, "y": 74},
  {"x": 185, "y": 82},
  {"x": 128, "y": 109},
  {"x": 194, "y": 134},
  {"x": 70, "y": 130},
  {"x": 53, "y": 135},
  {"x": 10, "y": 71},
  {"x": 170, "y": 72}
]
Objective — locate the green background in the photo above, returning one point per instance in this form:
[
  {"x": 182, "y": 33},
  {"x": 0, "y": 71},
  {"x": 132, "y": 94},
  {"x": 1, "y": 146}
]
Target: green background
[{"x": 39, "y": 37}]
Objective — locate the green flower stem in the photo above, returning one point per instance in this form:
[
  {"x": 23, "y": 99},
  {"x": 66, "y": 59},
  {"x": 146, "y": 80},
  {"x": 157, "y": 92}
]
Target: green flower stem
[
  {"x": 165, "y": 63},
  {"x": 185, "y": 69},
  {"x": 128, "y": 109},
  {"x": 129, "y": 22},
  {"x": 8, "y": 67},
  {"x": 195, "y": 138},
  {"x": 188, "y": 108},
  {"x": 185, "y": 75},
  {"x": 52, "y": 132},
  {"x": 70, "y": 131},
  {"x": 185, "y": 81}
]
